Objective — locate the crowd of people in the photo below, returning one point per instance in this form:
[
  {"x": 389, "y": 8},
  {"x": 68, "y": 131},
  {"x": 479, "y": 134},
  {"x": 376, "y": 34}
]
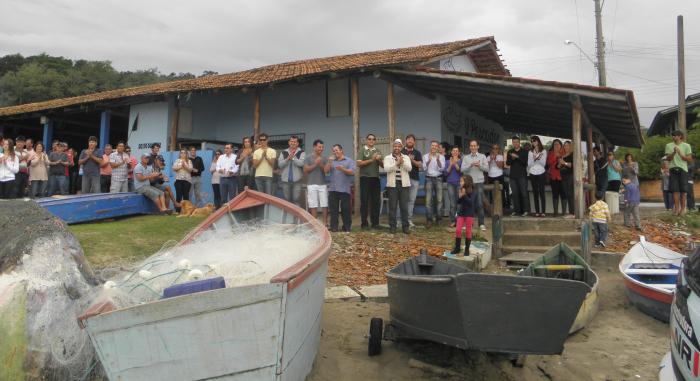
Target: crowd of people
[{"x": 454, "y": 181}]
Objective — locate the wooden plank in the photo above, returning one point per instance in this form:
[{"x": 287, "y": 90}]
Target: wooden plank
[
  {"x": 391, "y": 112},
  {"x": 518, "y": 259},
  {"x": 578, "y": 161},
  {"x": 355, "y": 110},
  {"x": 591, "y": 169},
  {"x": 256, "y": 117}
]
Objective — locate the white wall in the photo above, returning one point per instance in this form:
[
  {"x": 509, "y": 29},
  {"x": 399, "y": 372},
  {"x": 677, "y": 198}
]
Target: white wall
[
  {"x": 458, "y": 120},
  {"x": 152, "y": 126},
  {"x": 458, "y": 63}
]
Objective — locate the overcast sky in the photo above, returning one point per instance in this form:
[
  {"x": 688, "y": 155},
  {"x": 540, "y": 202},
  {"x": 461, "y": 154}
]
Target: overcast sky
[{"x": 228, "y": 36}]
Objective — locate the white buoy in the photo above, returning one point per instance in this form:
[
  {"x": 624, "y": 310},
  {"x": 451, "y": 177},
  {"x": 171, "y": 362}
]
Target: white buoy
[
  {"x": 145, "y": 274},
  {"x": 184, "y": 264},
  {"x": 195, "y": 274},
  {"x": 109, "y": 285}
]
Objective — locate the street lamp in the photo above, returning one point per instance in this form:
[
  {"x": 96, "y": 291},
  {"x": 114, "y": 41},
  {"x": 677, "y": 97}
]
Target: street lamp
[{"x": 569, "y": 42}]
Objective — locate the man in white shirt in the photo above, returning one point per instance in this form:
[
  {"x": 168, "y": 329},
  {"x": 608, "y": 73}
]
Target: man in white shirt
[
  {"x": 226, "y": 166},
  {"x": 398, "y": 185},
  {"x": 475, "y": 164},
  {"x": 433, "y": 163}
]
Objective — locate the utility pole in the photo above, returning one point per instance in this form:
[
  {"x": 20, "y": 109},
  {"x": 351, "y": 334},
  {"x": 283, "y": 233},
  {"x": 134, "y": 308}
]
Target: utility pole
[
  {"x": 600, "y": 44},
  {"x": 681, "y": 76}
]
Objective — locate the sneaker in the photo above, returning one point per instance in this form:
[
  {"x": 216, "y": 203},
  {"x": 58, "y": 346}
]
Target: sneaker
[
  {"x": 405, "y": 229},
  {"x": 524, "y": 214},
  {"x": 410, "y": 223},
  {"x": 602, "y": 244},
  {"x": 513, "y": 214},
  {"x": 483, "y": 228}
]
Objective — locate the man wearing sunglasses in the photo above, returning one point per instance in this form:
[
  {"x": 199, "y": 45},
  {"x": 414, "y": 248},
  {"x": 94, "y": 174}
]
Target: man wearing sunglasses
[
  {"x": 369, "y": 159},
  {"x": 264, "y": 162}
]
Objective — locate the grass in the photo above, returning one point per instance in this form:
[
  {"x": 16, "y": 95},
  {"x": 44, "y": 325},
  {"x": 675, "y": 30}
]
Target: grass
[
  {"x": 690, "y": 219},
  {"x": 129, "y": 240}
]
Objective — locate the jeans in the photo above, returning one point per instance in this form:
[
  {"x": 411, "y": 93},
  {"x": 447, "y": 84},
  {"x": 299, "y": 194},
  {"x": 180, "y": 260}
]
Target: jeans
[
  {"x": 58, "y": 184},
  {"x": 228, "y": 188},
  {"x": 430, "y": 184},
  {"x": 292, "y": 192},
  {"x": 117, "y": 186},
  {"x": 557, "y": 194},
  {"x": 398, "y": 198},
  {"x": 446, "y": 201},
  {"x": 521, "y": 201},
  {"x": 538, "y": 194},
  {"x": 600, "y": 231},
  {"x": 39, "y": 188},
  {"x": 668, "y": 200},
  {"x": 182, "y": 190},
  {"x": 105, "y": 183},
  {"x": 370, "y": 192},
  {"x": 217, "y": 195},
  {"x": 246, "y": 181},
  {"x": 567, "y": 186},
  {"x": 479, "y": 188},
  {"x": 336, "y": 201},
  {"x": 21, "y": 182},
  {"x": 412, "y": 197},
  {"x": 90, "y": 184},
  {"x": 453, "y": 195},
  {"x": 196, "y": 195},
  {"x": 632, "y": 211},
  {"x": 130, "y": 183},
  {"x": 264, "y": 184}
]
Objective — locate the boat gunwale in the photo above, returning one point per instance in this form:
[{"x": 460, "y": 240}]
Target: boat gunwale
[
  {"x": 295, "y": 274},
  {"x": 626, "y": 262}
]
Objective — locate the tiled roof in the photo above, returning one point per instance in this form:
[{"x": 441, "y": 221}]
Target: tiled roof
[{"x": 485, "y": 58}]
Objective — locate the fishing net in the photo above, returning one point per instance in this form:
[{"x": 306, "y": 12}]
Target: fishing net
[{"x": 246, "y": 254}]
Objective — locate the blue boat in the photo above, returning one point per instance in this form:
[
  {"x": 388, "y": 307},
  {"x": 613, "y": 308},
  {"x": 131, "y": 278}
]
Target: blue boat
[{"x": 98, "y": 206}]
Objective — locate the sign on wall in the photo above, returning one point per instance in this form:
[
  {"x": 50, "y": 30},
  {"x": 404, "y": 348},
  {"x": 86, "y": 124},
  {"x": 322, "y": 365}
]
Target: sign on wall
[{"x": 458, "y": 123}]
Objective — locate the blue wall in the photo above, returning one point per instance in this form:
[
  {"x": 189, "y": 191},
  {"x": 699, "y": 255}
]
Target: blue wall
[{"x": 207, "y": 156}]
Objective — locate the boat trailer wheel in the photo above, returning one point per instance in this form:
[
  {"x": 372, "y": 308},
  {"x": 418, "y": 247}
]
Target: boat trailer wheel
[{"x": 376, "y": 326}]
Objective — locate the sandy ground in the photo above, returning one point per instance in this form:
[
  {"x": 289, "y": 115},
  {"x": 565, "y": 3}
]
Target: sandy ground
[{"x": 621, "y": 343}]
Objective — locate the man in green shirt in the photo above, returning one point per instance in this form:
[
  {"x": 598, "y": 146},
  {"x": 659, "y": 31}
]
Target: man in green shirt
[
  {"x": 678, "y": 154},
  {"x": 369, "y": 159}
]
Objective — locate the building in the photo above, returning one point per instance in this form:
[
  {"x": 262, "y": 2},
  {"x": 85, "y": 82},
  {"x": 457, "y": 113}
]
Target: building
[
  {"x": 666, "y": 120},
  {"x": 451, "y": 92}
]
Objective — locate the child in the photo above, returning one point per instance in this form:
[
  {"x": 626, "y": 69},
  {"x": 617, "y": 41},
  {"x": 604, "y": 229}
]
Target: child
[
  {"x": 631, "y": 202},
  {"x": 665, "y": 175},
  {"x": 465, "y": 213},
  {"x": 600, "y": 215}
]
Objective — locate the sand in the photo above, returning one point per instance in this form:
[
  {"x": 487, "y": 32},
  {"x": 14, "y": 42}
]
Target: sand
[{"x": 621, "y": 343}]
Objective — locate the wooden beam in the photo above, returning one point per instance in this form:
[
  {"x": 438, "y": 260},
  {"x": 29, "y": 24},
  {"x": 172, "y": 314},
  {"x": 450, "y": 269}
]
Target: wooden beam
[
  {"x": 391, "y": 112},
  {"x": 576, "y": 122},
  {"x": 256, "y": 117},
  {"x": 591, "y": 171},
  {"x": 355, "y": 109},
  {"x": 174, "y": 124}
]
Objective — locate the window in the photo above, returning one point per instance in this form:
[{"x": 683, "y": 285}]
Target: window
[
  {"x": 337, "y": 97},
  {"x": 184, "y": 123}
]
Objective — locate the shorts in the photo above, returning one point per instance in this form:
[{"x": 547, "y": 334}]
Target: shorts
[
  {"x": 317, "y": 196},
  {"x": 150, "y": 192},
  {"x": 678, "y": 181}
]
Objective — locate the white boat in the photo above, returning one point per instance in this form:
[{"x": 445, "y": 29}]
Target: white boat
[
  {"x": 650, "y": 272},
  {"x": 266, "y": 331}
]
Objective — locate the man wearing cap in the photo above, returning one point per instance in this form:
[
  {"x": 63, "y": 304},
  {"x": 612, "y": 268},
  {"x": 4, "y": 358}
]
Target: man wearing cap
[
  {"x": 678, "y": 154},
  {"x": 516, "y": 160},
  {"x": 369, "y": 159},
  {"x": 398, "y": 185},
  {"x": 416, "y": 164}
]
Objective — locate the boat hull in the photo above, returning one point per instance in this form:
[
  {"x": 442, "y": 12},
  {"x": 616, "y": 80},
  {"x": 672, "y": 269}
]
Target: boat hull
[
  {"x": 99, "y": 206},
  {"x": 260, "y": 332},
  {"x": 651, "y": 302},
  {"x": 491, "y": 313}
]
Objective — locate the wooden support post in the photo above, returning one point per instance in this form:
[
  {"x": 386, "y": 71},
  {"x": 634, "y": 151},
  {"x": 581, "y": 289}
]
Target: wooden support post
[
  {"x": 391, "y": 112},
  {"x": 591, "y": 170},
  {"x": 48, "y": 135},
  {"x": 174, "y": 124},
  {"x": 256, "y": 118},
  {"x": 104, "y": 128},
  {"x": 355, "y": 107},
  {"x": 497, "y": 221},
  {"x": 578, "y": 160}
]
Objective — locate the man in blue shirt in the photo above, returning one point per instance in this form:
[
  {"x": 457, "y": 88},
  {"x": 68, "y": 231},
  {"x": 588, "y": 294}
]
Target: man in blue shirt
[{"x": 342, "y": 174}]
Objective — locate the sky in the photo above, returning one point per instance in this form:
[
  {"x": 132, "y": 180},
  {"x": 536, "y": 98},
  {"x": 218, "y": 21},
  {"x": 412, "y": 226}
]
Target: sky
[{"x": 229, "y": 36}]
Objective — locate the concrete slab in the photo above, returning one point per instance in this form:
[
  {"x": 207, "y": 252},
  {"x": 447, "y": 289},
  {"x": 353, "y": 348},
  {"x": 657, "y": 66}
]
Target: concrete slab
[
  {"x": 341, "y": 294},
  {"x": 375, "y": 293}
]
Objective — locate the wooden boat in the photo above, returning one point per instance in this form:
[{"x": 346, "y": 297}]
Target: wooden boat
[
  {"x": 562, "y": 262},
  {"x": 266, "y": 331},
  {"x": 437, "y": 301},
  {"x": 650, "y": 272},
  {"x": 98, "y": 206}
]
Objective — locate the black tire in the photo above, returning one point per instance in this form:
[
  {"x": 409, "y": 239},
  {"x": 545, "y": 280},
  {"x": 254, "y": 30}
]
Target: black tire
[{"x": 376, "y": 326}]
